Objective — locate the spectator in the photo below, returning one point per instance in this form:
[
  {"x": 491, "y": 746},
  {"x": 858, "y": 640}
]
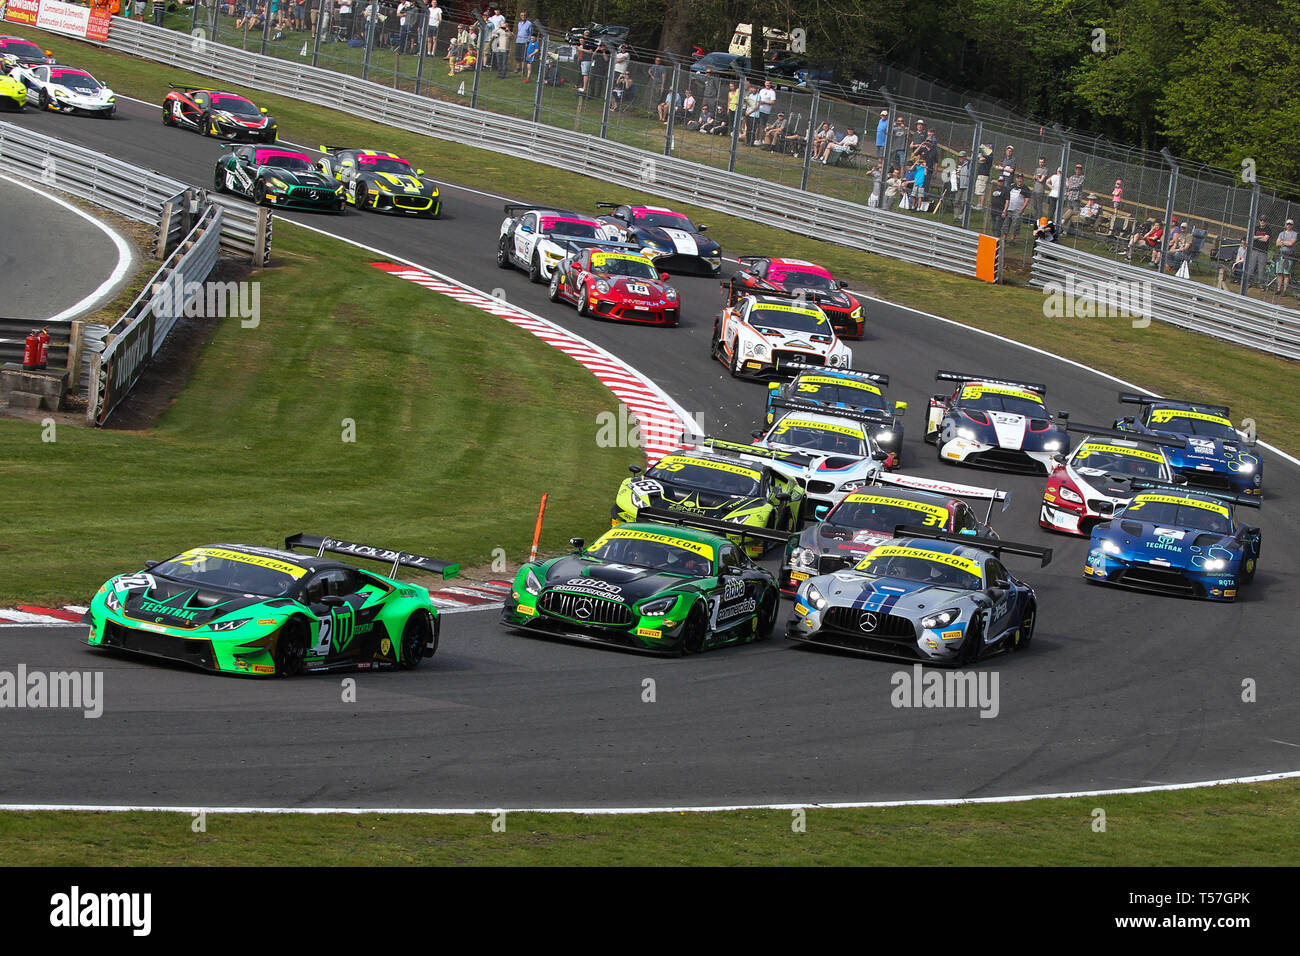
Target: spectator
[
  {"x": 1286, "y": 242},
  {"x": 898, "y": 137},
  {"x": 345, "y": 18},
  {"x": 838, "y": 151},
  {"x": 687, "y": 109},
  {"x": 893, "y": 188},
  {"x": 409, "y": 39},
  {"x": 717, "y": 126},
  {"x": 983, "y": 166},
  {"x": 822, "y": 138},
  {"x": 1260, "y": 241},
  {"x": 435, "y": 24},
  {"x": 622, "y": 61},
  {"x": 496, "y": 20},
  {"x": 920, "y": 179},
  {"x": 457, "y": 48},
  {"x": 877, "y": 183},
  {"x": 253, "y": 20},
  {"x": 159, "y": 12},
  {"x": 623, "y": 92},
  {"x": 712, "y": 91},
  {"x": 523, "y": 33},
  {"x": 468, "y": 58},
  {"x": 882, "y": 134},
  {"x": 705, "y": 117},
  {"x": 1038, "y": 189},
  {"x": 918, "y": 140},
  {"x": 733, "y": 103},
  {"x": 1045, "y": 231},
  {"x": 930, "y": 151},
  {"x": 499, "y": 38},
  {"x": 670, "y": 101},
  {"x": 773, "y": 132},
  {"x": 1090, "y": 214},
  {"x": 766, "y": 102},
  {"x": 1016, "y": 201},
  {"x": 586, "y": 55},
  {"x": 1054, "y": 190},
  {"x": 999, "y": 196},
  {"x": 1152, "y": 235},
  {"x": 1180, "y": 247},
  {"x": 530, "y": 57},
  {"x": 1239, "y": 263},
  {"x": 1073, "y": 197},
  {"x": 1117, "y": 196},
  {"x": 658, "y": 78},
  {"x": 750, "y": 116},
  {"x": 1009, "y": 159},
  {"x": 961, "y": 175},
  {"x": 599, "y": 72}
]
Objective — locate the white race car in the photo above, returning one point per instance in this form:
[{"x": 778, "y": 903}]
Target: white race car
[
  {"x": 830, "y": 452},
  {"x": 994, "y": 423},
  {"x": 538, "y": 240},
  {"x": 1096, "y": 480},
  {"x": 65, "y": 90},
  {"x": 775, "y": 336}
]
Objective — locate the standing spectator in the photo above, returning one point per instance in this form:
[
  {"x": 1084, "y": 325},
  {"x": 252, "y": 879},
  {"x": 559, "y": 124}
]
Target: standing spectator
[
  {"x": 404, "y": 24},
  {"x": 435, "y": 24},
  {"x": 983, "y": 166},
  {"x": 1073, "y": 197},
  {"x": 882, "y": 134},
  {"x": 733, "y": 104},
  {"x": 622, "y": 62},
  {"x": 1038, "y": 189},
  {"x": 599, "y": 72},
  {"x": 345, "y": 18},
  {"x": 1260, "y": 241},
  {"x": 961, "y": 175},
  {"x": 766, "y": 102},
  {"x": 877, "y": 182},
  {"x": 1117, "y": 196},
  {"x": 750, "y": 115},
  {"x": 1016, "y": 201},
  {"x": 919, "y": 180},
  {"x": 1053, "y": 191},
  {"x": 999, "y": 195},
  {"x": 1009, "y": 157},
  {"x": 530, "y": 57},
  {"x": 1286, "y": 249},
  {"x": 586, "y": 56},
  {"x": 658, "y": 79},
  {"x": 499, "y": 38},
  {"x": 496, "y": 19},
  {"x": 917, "y": 143},
  {"x": 523, "y": 33},
  {"x": 898, "y": 137},
  {"x": 893, "y": 188},
  {"x": 159, "y": 12}
]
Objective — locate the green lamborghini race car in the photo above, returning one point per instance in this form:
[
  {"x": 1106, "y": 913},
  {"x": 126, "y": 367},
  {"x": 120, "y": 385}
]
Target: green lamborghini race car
[
  {"x": 667, "y": 583},
  {"x": 265, "y": 612}
]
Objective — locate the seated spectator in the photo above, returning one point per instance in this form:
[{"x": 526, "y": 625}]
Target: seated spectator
[
  {"x": 1180, "y": 246},
  {"x": 773, "y": 132},
  {"x": 824, "y": 136},
  {"x": 1150, "y": 235},
  {"x": 624, "y": 91},
  {"x": 254, "y": 19},
  {"x": 686, "y": 112},
  {"x": 671, "y": 100},
  {"x": 704, "y": 119},
  {"x": 1045, "y": 230},
  {"x": 837, "y": 151},
  {"x": 467, "y": 60},
  {"x": 1089, "y": 213},
  {"x": 456, "y": 49},
  {"x": 718, "y": 126}
]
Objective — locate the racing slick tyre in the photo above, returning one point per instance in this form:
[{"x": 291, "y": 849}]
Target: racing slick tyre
[
  {"x": 419, "y": 628},
  {"x": 290, "y": 648},
  {"x": 768, "y": 611},
  {"x": 205, "y": 124},
  {"x": 734, "y": 367},
  {"x": 535, "y": 269},
  {"x": 582, "y": 301},
  {"x": 259, "y": 193},
  {"x": 219, "y": 180},
  {"x": 43, "y": 100},
  {"x": 503, "y": 254},
  {"x": 973, "y": 645},
  {"x": 167, "y": 118},
  {"x": 357, "y": 192},
  {"x": 1026, "y": 628},
  {"x": 553, "y": 292},
  {"x": 270, "y": 136},
  {"x": 695, "y": 632}
]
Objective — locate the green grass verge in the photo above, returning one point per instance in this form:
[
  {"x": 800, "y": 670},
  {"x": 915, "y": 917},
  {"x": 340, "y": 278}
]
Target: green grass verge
[
  {"x": 1241, "y": 825},
  {"x": 1160, "y": 357},
  {"x": 445, "y": 460}
]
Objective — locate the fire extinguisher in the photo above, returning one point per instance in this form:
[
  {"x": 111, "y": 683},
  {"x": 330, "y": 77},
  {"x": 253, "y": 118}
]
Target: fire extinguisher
[
  {"x": 32, "y": 350},
  {"x": 43, "y": 341}
]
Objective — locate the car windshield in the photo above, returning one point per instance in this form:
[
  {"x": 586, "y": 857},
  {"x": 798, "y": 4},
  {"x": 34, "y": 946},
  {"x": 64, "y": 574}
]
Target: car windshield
[
  {"x": 826, "y": 389},
  {"x": 719, "y": 478},
  {"x": 648, "y": 550},
  {"x": 835, "y": 439},
  {"x": 1192, "y": 423},
  {"x": 1172, "y": 512},
  {"x": 663, "y": 219},
  {"x": 910, "y": 564},
  {"x": 998, "y": 398},
  {"x": 82, "y": 82},
  {"x": 231, "y": 570},
  {"x": 790, "y": 278},
  {"x": 789, "y": 318},
  {"x": 21, "y": 48},
  {"x": 284, "y": 161},
  {"x": 883, "y": 513},
  {"x": 578, "y": 228},
  {"x": 1117, "y": 460},
  {"x": 235, "y": 106},
  {"x": 615, "y": 264},
  {"x": 387, "y": 164}
]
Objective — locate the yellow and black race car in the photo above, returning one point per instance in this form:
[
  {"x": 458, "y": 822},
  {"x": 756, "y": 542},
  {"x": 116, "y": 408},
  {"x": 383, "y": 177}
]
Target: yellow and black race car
[{"x": 381, "y": 181}]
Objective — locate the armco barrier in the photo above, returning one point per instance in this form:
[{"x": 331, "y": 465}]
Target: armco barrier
[
  {"x": 1081, "y": 276},
  {"x": 848, "y": 224}
]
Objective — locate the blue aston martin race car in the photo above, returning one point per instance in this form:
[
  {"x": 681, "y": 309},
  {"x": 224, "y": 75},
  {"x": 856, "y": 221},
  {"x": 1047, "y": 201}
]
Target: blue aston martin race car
[
  {"x": 1176, "y": 540},
  {"x": 1216, "y": 455},
  {"x": 994, "y": 423},
  {"x": 928, "y": 596}
]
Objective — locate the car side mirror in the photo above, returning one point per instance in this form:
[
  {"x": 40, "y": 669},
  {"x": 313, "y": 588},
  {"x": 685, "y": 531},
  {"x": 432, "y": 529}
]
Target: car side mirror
[
  {"x": 841, "y": 284},
  {"x": 900, "y": 408},
  {"x": 577, "y": 543},
  {"x": 1059, "y": 458},
  {"x": 783, "y": 496},
  {"x": 879, "y": 455},
  {"x": 663, "y": 277},
  {"x": 419, "y": 172},
  {"x": 525, "y": 228},
  {"x": 756, "y": 434},
  {"x": 263, "y": 111},
  {"x": 148, "y": 565},
  {"x": 333, "y": 600},
  {"x": 635, "y": 469},
  {"x": 701, "y": 228}
]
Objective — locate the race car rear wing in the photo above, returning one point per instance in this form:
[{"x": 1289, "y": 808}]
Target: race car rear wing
[
  {"x": 991, "y": 495},
  {"x": 664, "y": 516},
  {"x": 942, "y": 376},
  {"x": 1132, "y": 398},
  {"x": 853, "y": 414},
  {"x": 512, "y": 208},
  {"x": 352, "y": 549},
  {"x": 1145, "y": 485},
  {"x": 739, "y": 450},
  {"x": 1100, "y": 431},
  {"x": 995, "y": 546},
  {"x": 879, "y": 378},
  {"x": 577, "y": 243},
  {"x": 803, "y": 295}
]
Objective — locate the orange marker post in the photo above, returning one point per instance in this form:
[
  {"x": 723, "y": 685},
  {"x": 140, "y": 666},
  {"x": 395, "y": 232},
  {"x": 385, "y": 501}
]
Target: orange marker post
[{"x": 537, "y": 531}]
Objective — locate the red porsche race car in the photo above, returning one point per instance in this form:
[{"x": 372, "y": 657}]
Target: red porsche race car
[
  {"x": 614, "y": 281},
  {"x": 760, "y": 274},
  {"x": 213, "y": 113}
]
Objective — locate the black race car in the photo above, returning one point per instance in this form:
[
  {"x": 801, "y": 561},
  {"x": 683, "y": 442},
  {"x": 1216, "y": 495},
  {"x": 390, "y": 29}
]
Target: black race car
[
  {"x": 282, "y": 178},
  {"x": 669, "y": 238},
  {"x": 213, "y": 113}
]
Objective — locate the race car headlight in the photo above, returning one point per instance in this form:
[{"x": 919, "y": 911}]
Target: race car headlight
[
  {"x": 60, "y": 94},
  {"x": 815, "y": 597},
  {"x": 803, "y": 558},
  {"x": 640, "y": 500},
  {"x": 111, "y": 601},
  {"x": 658, "y": 606},
  {"x": 1246, "y": 468},
  {"x": 277, "y": 183},
  {"x": 1110, "y": 547},
  {"x": 760, "y": 351},
  {"x": 856, "y": 313},
  {"x": 966, "y": 433},
  {"x": 1069, "y": 495},
  {"x": 340, "y": 191},
  {"x": 1215, "y": 564},
  {"x": 840, "y": 359},
  {"x": 942, "y": 619},
  {"x": 531, "y": 584},
  {"x": 884, "y": 436},
  {"x": 602, "y": 286},
  {"x": 650, "y": 251},
  {"x": 228, "y": 625},
  {"x": 854, "y": 485},
  {"x": 670, "y": 295},
  {"x": 1053, "y": 445}
]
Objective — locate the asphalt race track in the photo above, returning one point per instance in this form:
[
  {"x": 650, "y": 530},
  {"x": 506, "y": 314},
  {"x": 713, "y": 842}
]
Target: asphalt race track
[{"x": 1118, "y": 690}]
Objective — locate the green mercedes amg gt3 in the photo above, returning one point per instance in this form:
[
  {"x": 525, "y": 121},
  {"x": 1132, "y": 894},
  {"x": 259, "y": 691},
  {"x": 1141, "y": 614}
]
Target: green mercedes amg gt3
[
  {"x": 265, "y": 612},
  {"x": 668, "y": 583}
]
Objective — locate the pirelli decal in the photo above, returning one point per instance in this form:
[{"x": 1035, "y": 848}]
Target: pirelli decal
[
  {"x": 1175, "y": 500},
  {"x": 695, "y": 547},
  {"x": 968, "y": 565},
  {"x": 788, "y": 423},
  {"x": 971, "y": 392},
  {"x": 1094, "y": 449},
  {"x": 1161, "y": 415},
  {"x": 198, "y": 554}
]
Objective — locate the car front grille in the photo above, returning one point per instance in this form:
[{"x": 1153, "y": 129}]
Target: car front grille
[
  {"x": 1209, "y": 480},
  {"x": 586, "y": 609},
  {"x": 1161, "y": 579},
  {"x": 1007, "y": 458},
  {"x": 189, "y": 650},
  {"x": 414, "y": 203},
  {"x": 784, "y": 357},
  {"x": 873, "y": 624},
  {"x": 821, "y": 487}
]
